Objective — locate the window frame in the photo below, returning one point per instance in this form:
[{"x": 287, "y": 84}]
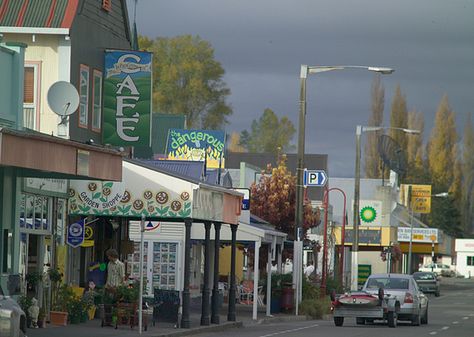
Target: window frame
[
  {"x": 97, "y": 74},
  {"x": 83, "y": 67},
  {"x": 36, "y": 65},
  {"x": 471, "y": 258}
]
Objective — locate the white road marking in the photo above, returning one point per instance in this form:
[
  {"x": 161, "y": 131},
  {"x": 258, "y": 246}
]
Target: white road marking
[
  {"x": 291, "y": 330},
  {"x": 465, "y": 317},
  {"x": 471, "y": 315},
  {"x": 455, "y": 322},
  {"x": 445, "y": 328},
  {"x": 433, "y": 332}
]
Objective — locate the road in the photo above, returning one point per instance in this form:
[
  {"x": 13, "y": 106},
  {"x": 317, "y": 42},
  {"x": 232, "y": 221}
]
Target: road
[{"x": 451, "y": 314}]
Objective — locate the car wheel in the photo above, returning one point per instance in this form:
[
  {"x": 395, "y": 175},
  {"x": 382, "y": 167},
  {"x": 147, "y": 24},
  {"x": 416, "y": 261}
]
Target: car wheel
[
  {"x": 424, "y": 319},
  {"x": 415, "y": 320},
  {"x": 392, "y": 319},
  {"x": 360, "y": 321},
  {"x": 339, "y": 321},
  {"x": 437, "y": 293}
]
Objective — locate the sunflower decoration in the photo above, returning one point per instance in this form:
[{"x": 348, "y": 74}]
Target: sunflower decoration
[{"x": 368, "y": 214}]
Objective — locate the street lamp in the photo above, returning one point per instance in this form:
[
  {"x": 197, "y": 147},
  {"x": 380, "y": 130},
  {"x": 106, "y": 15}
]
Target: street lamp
[
  {"x": 355, "y": 215},
  {"x": 304, "y": 72}
]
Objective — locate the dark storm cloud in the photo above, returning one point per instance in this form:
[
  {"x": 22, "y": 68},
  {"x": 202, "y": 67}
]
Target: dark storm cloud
[{"x": 262, "y": 43}]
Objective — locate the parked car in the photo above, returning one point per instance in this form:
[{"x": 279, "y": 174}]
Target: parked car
[
  {"x": 389, "y": 297},
  {"x": 427, "y": 282},
  {"x": 12, "y": 318},
  {"x": 439, "y": 269},
  {"x": 413, "y": 304}
]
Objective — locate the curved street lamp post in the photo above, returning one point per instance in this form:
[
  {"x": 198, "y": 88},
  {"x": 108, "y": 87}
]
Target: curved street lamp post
[
  {"x": 355, "y": 215},
  {"x": 304, "y": 72}
]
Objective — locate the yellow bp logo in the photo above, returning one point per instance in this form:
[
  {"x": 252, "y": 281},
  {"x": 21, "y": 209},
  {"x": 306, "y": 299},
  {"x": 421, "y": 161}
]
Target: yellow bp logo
[{"x": 368, "y": 214}]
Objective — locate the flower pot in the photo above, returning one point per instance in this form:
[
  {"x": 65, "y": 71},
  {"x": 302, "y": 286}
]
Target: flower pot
[{"x": 58, "y": 318}]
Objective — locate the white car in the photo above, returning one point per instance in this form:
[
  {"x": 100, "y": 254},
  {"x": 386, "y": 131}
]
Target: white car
[{"x": 438, "y": 269}]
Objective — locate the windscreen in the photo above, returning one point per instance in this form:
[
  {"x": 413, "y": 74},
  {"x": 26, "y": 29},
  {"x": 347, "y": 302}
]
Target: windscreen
[
  {"x": 423, "y": 276},
  {"x": 387, "y": 283}
]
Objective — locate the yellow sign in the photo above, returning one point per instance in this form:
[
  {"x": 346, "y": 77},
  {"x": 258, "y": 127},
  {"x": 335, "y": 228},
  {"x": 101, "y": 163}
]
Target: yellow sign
[
  {"x": 89, "y": 233},
  {"x": 433, "y": 238},
  {"x": 88, "y": 243},
  {"x": 421, "y": 198}
]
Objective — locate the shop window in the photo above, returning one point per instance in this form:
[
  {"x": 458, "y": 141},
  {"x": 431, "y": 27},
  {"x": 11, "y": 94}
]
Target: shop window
[
  {"x": 470, "y": 261},
  {"x": 96, "y": 100},
  {"x": 30, "y": 96},
  {"x": 84, "y": 96}
]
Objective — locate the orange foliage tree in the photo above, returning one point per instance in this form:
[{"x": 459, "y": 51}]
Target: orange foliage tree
[{"x": 273, "y": 199}]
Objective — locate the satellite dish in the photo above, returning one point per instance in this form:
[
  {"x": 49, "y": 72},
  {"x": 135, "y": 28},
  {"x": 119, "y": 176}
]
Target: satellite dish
[
  {"x": 63, "y": 99},
  {"x": 392, "y": 155}
]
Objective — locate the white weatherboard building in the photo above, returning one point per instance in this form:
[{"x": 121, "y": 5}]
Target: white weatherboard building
[{"x": 465, "y": 257}]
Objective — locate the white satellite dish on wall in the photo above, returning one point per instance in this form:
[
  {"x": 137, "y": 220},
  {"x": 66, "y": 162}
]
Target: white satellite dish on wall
[{"x": 63, "y": 99}]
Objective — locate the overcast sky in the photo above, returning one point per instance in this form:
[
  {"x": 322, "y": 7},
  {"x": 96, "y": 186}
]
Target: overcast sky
[{"x": 262, "y": 43}]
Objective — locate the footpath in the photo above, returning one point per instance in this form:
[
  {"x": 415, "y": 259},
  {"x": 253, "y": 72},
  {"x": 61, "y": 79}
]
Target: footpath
[{"x": 93, "y": 328}]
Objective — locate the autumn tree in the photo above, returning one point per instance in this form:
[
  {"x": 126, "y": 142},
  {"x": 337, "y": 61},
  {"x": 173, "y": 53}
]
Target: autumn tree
[
  {"x": 188, "y": 80},
  {"x": 273, "y": 199},
  {"x": 234, "y": 143},
  {"x": 269, "y": 134},
  {"x": 417, "y": 171},
  {"x": 399, "y": 118},
  {"x": 442, "y": 163},
  {"x": 467, "y": 167},
  {"x": 371, "y": 155}
]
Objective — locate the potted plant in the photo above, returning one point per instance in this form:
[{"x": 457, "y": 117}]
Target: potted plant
[
  {"x": 42, "y": 318},
  {"x": 25, "y": 303},
  {"x": 62, "y": 296}
]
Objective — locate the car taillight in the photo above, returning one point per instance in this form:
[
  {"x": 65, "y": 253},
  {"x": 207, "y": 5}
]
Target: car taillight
[{"x": 408, "y": 298}]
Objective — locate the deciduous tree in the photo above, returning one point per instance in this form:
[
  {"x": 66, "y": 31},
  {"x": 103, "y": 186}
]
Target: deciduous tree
[
  {"x": 188, "y": 80},
  {"x": 399, "y": 118},
  {"x": 269, "y": 134},
  {"x": 467, "y": 199},
  {"x": 234, "y": 143},
  {"x": 273, "y": 199},
  {"x": 372, "y": 158}
]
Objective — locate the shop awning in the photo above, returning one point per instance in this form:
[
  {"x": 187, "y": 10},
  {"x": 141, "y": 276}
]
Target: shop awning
[
  {"x": 39, "y": 155},
  {"x": 156, "y": 194}
]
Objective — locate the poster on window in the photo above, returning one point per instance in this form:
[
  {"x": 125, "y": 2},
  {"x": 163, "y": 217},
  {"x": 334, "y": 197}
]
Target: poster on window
[{"x": 127, "y": 98}]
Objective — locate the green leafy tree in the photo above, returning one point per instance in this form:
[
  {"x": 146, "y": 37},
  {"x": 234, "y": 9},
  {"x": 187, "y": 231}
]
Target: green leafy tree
[
  {"x": 269, "y": 134},
  {"x": 188, "y": 80},
  {"x": 467, "y": 167},
  {"x": 273, "y": 199},
  {"x": 371, "y": 155},
  {"x": 399, "y": 118}
]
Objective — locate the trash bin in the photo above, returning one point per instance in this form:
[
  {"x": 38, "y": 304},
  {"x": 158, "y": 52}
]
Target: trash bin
[{"x": 287, "y": 298}]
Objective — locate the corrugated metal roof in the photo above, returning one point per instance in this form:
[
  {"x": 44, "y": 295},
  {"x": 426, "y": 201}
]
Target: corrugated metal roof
[
  {"x": 36, "y": 13},
  {"x": 190, "y": 169}
]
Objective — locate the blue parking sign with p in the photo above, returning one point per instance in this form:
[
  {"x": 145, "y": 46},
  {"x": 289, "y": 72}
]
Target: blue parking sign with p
[{"x": 315, "y": 178}]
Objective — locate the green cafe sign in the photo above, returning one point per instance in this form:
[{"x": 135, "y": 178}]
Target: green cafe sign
[{"x": 127, "y": 98}]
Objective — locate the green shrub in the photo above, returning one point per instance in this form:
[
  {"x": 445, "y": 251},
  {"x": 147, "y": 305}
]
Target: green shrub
[
  {"x": 310, "y": 290},
  {"x": 315, "y": 308},
  {"x": 332, "y": 283}
]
